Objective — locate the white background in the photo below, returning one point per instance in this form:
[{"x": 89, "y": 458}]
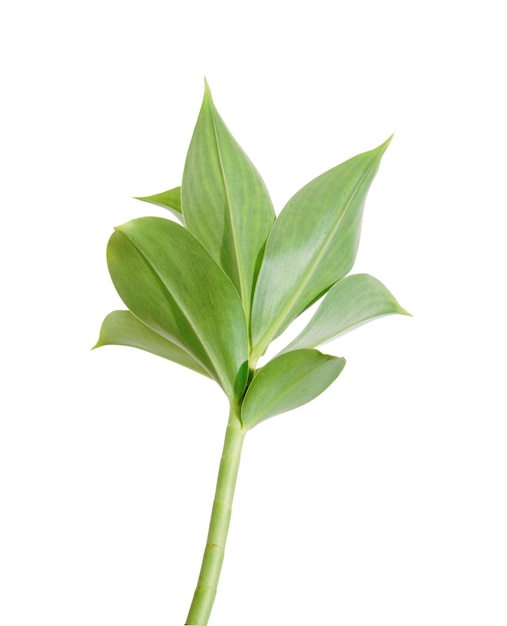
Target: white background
[{"x": 381, "y": 503}]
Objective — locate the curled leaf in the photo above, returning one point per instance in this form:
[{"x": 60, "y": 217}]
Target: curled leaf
[
  {"x": 225, "y": 202},
  {"x": 121, "y": 328},
  {"x": 288, "y": 381},
  {"x": 170, "y": 200},
  {"x": 312, "y": 244},
  {"x": 352, "y": 301},
  {"x": 170, "y": 282}
]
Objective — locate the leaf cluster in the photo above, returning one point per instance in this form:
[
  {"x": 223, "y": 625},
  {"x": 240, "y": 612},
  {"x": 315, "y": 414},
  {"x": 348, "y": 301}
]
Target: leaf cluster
[{"x": 213, "y": 288}]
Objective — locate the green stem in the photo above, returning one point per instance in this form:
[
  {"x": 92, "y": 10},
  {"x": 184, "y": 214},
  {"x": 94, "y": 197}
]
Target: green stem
[{"x": 213, "y": 557}]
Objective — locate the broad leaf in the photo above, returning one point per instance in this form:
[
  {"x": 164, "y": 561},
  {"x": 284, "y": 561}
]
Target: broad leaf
[
  {"x": 170, "y": 200},
  {"x": 121, "y": 328},
  {"x": 225, "y": 202},
  {"x": 352, "y": 301},
  {"x": 288, "y": 381},
  {"x": 312, "y": 244},
  {"x": 171, "y": 283}
]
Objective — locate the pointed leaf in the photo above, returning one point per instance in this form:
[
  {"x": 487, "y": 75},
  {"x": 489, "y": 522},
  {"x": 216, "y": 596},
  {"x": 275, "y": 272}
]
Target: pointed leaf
[
  {"x": 170, "y": 200},
  {"x": 225, "y": 202},
  {"x": 350, "y": 302},
  {"x": 121, "y": 328},
  {"x": 312, "y": 244},
  {"x": 171, "y": 283},
  {"x": 288, "y": 381}
]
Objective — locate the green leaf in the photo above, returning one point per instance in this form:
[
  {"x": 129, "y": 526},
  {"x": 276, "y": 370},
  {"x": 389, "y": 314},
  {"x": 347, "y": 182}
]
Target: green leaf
[
  {"x": 312, "y": 244},
  {"x": 171, "y": 283},
  {"x": 225, "y": 202},
  {"x": 288, "y": 381},
  {"x": 170, "y": 200},
  {"x": 121, "y": 328},
  {"x": 350, "y": 302}
]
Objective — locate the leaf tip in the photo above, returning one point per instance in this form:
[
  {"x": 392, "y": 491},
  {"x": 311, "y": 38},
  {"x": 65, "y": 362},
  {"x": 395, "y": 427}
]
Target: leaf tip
[
  {"x": 97, "y": 345},
  {"x": 122, "y": 227},
  {"x": 207, "y": 90},
  {"x": 383, "y": 147},
  {"x": 100, "y": 341}
]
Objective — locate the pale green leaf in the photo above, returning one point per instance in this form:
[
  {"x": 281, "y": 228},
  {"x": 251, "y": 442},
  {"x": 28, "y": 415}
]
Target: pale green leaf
[
  {"x": 225, "y": 202},
  {"x": 288, "y": 381},
  {"x": 170, "y": 200},
  {"x": 352, "y": 301},
  {"x": 312, "y": 244},
  {"x": 121, "y": 328},
  {"x": 170, "y": 282}
]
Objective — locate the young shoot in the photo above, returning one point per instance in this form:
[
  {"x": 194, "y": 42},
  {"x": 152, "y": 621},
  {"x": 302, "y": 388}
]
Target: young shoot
[{"x": 212, "y": 286}]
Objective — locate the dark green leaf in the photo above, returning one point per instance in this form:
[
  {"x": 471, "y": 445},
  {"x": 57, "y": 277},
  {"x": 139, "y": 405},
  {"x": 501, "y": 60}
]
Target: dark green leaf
[
  {"x": 121, "y": 328},
  {"x": 288, "y": 381},
  {"x": 170, "y": 200},
  {"x": 171, "y": 283},
  {"x": 352, "y": 301},
  {"x": 225, "y": 202},
  {"x": 312, "y": 244}
]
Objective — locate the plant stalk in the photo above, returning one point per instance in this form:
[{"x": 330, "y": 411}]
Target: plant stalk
[{"x": 213, "y": 557}]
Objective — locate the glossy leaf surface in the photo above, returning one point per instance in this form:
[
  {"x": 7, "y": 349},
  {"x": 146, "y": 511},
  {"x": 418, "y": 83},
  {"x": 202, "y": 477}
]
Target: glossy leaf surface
[
  {"x": 170, "y": 282},
  {"x": 312, "y": 244},
  {"x": 170, "y": 200},
  {"x": 352, "y": 301},
  {"x": 121, "y": 328},
  {"x": 288, "y": 381},
  {"x": 225, "y": 202}
]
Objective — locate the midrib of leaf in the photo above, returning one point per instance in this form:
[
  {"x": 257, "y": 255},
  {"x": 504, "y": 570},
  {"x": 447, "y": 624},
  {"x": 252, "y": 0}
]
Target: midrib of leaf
[
  {"x": 237, "y": 257},
  {"x": 310, "y": 271},
  {"x": 160, "y": 280}
]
